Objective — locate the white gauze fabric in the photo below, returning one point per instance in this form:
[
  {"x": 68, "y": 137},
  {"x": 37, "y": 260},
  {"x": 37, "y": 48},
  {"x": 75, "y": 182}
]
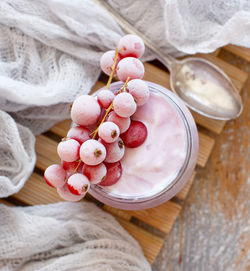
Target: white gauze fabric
[
  {"x": 17, "y": 157},
  {"x": 66, "y": 236}
]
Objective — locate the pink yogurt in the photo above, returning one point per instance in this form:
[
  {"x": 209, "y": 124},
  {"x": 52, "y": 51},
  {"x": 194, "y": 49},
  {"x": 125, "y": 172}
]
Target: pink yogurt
[{"x": 158, "y": 169}]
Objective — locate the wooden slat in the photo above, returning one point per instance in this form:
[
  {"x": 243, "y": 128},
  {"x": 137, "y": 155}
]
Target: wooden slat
[
  {"x": 151, "y": 244},
  {"x": 183, "y": 193},
  {"x": 215, "y": 126},
  {"x": 154, "y": 217},
  {"x": 216, "y": 52},
  {"x": 36, "y": 191},
  {"x": 156, "y": 75},
  {"x": 242, "y": 52},
  {"x": 5, "y": 202},
  {"x": 117, "y": 212},
  {"x": 97, "y": 85},
  {"x": 206, "y": 144},
  {"x": 161, "y": 217},
  {"x": 61, "y": 128},
  {"x": 46, "y": 150}
]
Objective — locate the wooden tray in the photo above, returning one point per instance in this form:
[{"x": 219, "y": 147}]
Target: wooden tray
[{"x": 149, "y": 226}]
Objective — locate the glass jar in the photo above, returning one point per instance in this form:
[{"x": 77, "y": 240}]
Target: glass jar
[{"x": 147, "y": 179}]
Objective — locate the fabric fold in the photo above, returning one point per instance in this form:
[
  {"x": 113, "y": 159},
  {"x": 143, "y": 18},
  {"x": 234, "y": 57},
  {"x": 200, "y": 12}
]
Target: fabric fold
[
  {"x": 17, "y": 157},
  {"x": 66, "y": 236}
]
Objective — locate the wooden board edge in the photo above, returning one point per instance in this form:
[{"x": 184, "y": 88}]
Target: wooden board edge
[
  {"x": 150, "y": 244},
  {"x": 239, "y": 51}
]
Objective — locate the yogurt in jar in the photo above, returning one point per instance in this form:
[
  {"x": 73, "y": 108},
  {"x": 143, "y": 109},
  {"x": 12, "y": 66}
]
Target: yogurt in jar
[{"x": 157, "y": 170}]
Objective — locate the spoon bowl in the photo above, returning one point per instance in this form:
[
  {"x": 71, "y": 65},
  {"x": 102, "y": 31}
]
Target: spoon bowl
[{"x": 205, "y": 88}]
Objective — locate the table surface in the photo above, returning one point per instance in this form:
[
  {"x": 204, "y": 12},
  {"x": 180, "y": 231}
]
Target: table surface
[{"x": 212, "y": 231}]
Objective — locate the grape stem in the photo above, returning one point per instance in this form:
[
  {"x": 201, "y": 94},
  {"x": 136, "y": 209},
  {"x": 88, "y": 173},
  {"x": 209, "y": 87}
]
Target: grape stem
[
  {"x": 108, "y": 110},
  {"x": 79, "y": 162},
  {"x": 112, "y": 69}
]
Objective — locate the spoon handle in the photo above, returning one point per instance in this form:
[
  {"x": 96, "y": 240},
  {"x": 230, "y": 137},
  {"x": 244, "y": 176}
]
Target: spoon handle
[{"x": 166, "y": 60}]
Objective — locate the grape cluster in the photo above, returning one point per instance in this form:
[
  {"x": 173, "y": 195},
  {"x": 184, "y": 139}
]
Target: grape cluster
[{"x": 92, "y": 150}]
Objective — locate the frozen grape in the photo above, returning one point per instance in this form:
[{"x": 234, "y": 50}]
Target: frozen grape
[
  {"x": 79, "y": 133},
  {"x": 106, "y": 61},
  {"x": 85, "y": 110},
  {"x": 65, "y": 194},
  {"x": 105, "y": 98},
  {"x": 130, "y": 67},
  {"x": 71, "y": 166},
  {"x": 139, "y": 90},
  {"x": 124, "y": 105},
  {"x": 68, "y": 150},
  {"x": 78, "y": 184},
  {"x": 108, "y": 131},
  {"x": 95, "y": 174},
  {"x": 114, "y": 173},
  {"x": 92, "y": 152},
  {"x": 55, "y": 176},
  {"x": 131, "y": 46},
  {"x": 135, "y": 135},
  {"x": 122, "y": 123},
  {"x": 115, "y": 151}
]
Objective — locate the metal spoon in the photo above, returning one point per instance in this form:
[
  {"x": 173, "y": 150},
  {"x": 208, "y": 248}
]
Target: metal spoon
[{"x": 202, "y": 86}]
